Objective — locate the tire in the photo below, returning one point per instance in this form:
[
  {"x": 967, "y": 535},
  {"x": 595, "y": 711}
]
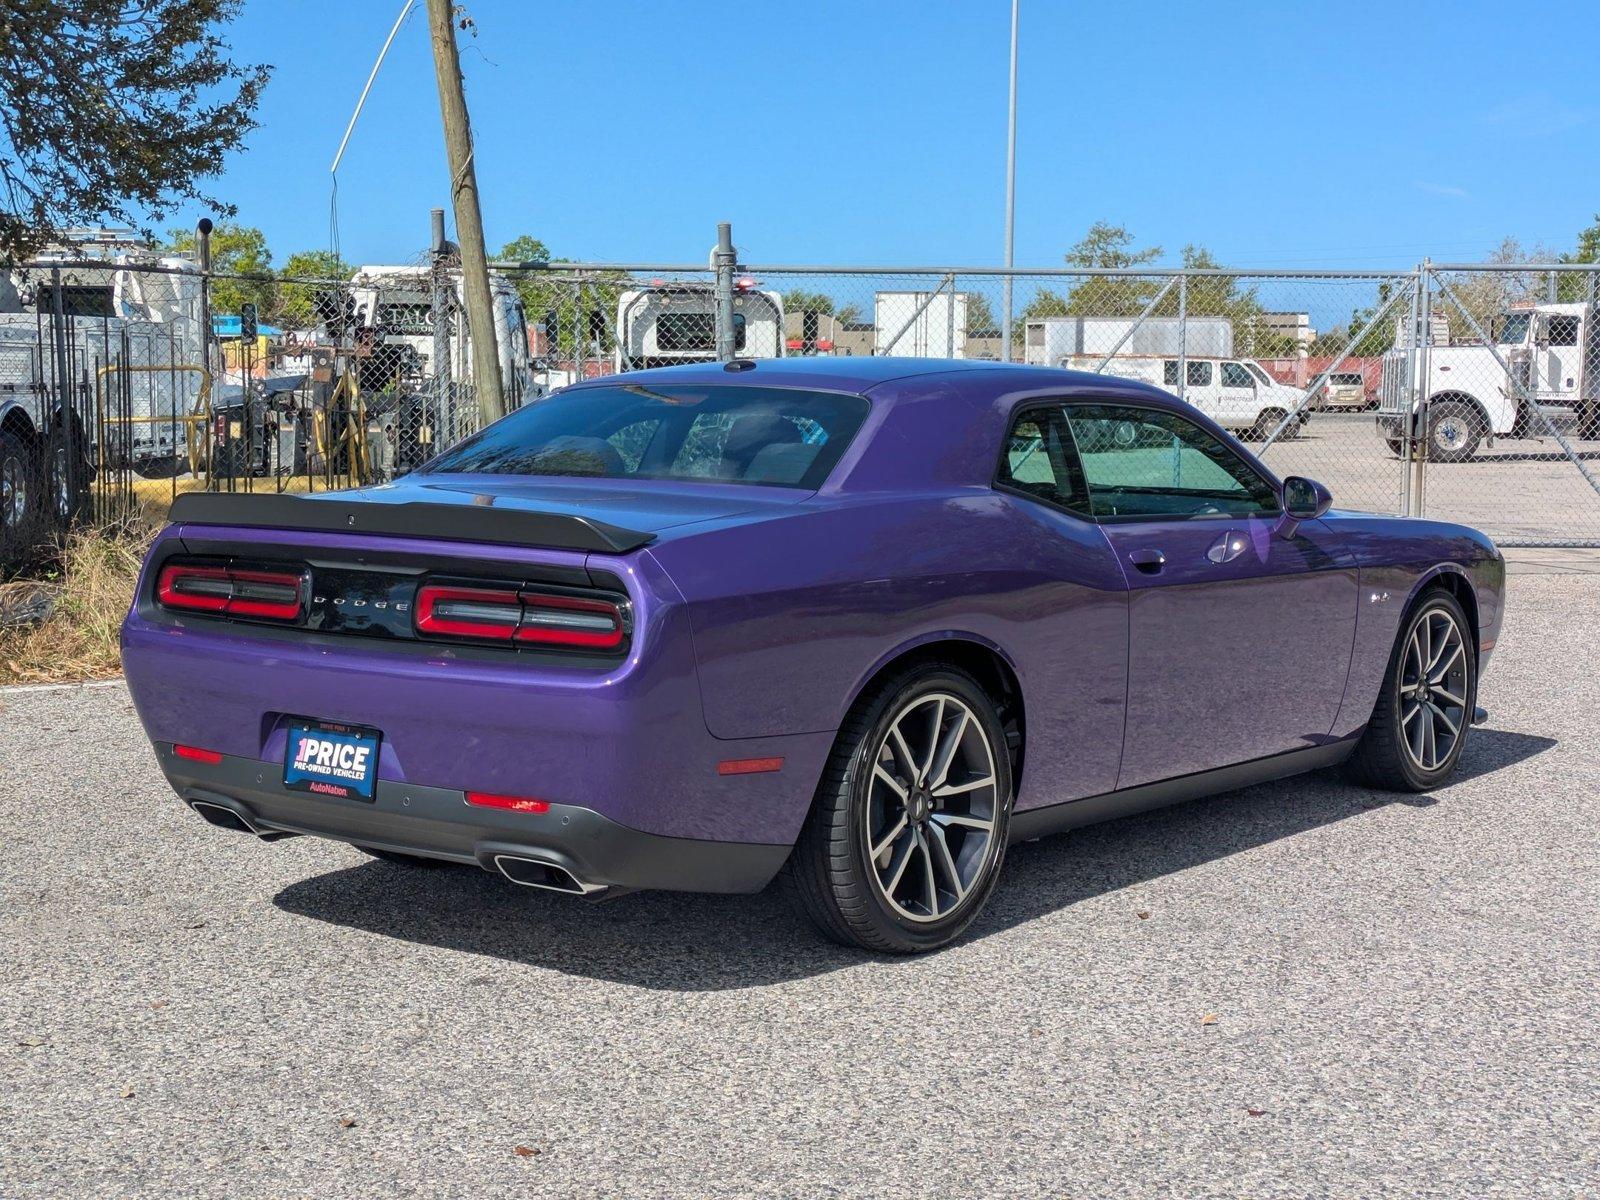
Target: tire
[
  {"x": 71, "y": 478},
  {"x": 402, "y": 860},
  {"x": 1454, "y": 430},
  {"x": 1266, "y": 421},
  {"x": 884, "y": 902},
  {"x": 19, "y": 491},
  {"x": 161, "y": 466},
  {"x": 1392, "y": 754},
  {"x": 1396, "y": 446},
  {"x": 1589, "y": 420}
]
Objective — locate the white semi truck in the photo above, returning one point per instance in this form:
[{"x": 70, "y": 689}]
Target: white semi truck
[
  {"x": 672, "y": 322},
  {"x": 1553, "y": 355}
]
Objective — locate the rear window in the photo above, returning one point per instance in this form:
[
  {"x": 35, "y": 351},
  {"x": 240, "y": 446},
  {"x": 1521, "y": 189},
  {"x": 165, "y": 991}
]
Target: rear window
[{"x": 770, "y": 436}]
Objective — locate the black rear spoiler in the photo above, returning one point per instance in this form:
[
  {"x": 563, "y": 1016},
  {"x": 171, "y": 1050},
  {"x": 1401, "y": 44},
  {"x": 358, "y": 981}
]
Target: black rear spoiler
[{"x": 456, "y": 522}]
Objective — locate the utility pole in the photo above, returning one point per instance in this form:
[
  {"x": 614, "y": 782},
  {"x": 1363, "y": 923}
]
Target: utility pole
[{"x": 469, "y": 217}]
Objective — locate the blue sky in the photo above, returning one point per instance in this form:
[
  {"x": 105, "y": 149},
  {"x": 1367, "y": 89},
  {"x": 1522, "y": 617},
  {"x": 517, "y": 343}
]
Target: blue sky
[{"x": 1350, "y": 135}]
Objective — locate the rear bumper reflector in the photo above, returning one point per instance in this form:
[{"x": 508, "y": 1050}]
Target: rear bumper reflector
[{"x": 749, "y": 766}]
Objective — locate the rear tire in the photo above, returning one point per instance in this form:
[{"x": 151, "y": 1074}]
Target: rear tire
[
  {"x": 907, "y": 779},
  {"x": 1408, "y": 746},
  {"x": 19, "y": 491},
  {"x": 1266, "y": 422}
]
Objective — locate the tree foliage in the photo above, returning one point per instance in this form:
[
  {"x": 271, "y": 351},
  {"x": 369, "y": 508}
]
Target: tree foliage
[
  {"x": 297, "y": 301},
  {"x": 572, "y": 310},
  {"x": 1110, "y": 247},
  {"x": 113, "y": 110},
  {"x": 236, "y": 250},
  {"x": 798, "y": 300}
]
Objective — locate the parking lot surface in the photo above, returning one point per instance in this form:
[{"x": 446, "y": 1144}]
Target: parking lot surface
[
  {"x": 1302, "y": 989},
  {"x": 1518, "y": 490}
]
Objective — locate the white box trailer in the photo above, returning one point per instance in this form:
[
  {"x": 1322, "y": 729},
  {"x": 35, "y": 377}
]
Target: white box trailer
[
  {"x": 1050, "y": 341},
  {"x": 920, "y": 324}
]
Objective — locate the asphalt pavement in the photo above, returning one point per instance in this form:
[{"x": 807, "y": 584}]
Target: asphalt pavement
[{"x": 1302, "y": 989}]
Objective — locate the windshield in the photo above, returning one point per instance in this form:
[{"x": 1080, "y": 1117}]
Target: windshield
[
  {"x": 775, "y": 437},
  {"x": 1511, "y": 329},
  {"x": 1261, "y": 376}
]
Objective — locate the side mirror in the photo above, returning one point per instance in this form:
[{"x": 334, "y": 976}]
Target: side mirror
[{"x": 1303, "y": 500}]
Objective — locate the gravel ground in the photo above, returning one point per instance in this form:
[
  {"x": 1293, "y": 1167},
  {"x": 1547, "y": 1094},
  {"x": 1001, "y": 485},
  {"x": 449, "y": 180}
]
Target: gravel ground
[{"x": 1302, "y": 989}]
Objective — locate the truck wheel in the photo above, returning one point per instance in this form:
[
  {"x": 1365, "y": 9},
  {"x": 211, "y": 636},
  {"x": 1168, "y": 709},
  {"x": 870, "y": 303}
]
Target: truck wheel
[
  {"x": 71, "y": 479},
  {"x": 1589, "y": 420},
  {"x": 904, "y": 842},
  {"x": 1396, "y": 446},
  {"x": 1454, "y": 430},
  {"x": 19, "y": 485},
  {"x": 1266, "y": 422}
]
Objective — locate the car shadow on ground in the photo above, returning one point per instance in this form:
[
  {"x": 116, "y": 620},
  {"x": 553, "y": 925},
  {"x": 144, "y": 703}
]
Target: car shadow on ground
[{"x": 691, "y": 943}]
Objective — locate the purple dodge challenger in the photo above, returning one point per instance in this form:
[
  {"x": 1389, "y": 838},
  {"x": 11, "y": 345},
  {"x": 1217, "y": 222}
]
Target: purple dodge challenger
[{"x": 858, "y": 623}]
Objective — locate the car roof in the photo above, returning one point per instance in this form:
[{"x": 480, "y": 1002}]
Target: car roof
[{"x": 862, "y": 374}]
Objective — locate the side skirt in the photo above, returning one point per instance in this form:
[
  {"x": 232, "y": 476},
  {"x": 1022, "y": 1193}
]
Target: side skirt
[{"x": 1038, "y": 822}]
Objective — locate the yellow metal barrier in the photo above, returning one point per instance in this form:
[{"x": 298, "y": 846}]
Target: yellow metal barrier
[{"x": 200, "y": 417}]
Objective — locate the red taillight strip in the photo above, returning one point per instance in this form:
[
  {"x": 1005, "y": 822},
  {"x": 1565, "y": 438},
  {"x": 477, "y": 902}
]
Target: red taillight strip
[
  {"x": 232, "y": 591},
  {"x": 570, "y": 621},
  {"x": 196, "y": 754},
  {"x": 461, "y": 612},
  {"x": 514, "y": 803},
  {"x": 501, "y": 615}
]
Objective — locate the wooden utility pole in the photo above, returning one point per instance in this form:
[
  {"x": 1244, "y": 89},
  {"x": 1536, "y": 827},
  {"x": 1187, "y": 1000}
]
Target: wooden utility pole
[{"x": 469, "y": 217}]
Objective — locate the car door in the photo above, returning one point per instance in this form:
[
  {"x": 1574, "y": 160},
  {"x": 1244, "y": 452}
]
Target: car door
[
  {"x": 1239, "y": 636},
  {"x": 1237, "y": 404}
]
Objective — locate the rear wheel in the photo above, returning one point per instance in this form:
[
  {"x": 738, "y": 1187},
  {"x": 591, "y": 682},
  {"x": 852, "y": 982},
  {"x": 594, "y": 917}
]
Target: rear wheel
[
  {"x": 1454, "y": 430},
  {"x": 1266, "y": 423},
  {"x": 1419, "y": 725},
  {"x": 19, "y": 480},
  {"x": 905, "y": 840}
]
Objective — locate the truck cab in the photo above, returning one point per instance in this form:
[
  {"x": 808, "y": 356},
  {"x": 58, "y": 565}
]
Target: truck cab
[{"x": 1553, "y": 354}]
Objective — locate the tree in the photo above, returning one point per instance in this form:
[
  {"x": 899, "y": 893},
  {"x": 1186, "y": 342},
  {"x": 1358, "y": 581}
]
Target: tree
[
  {"x": 1110, "y": 247},
  {"x": 113, "y": 111},
  {"x": 1575, "y": 286},
  {"x": 980, "y": 316},
  {"x": 297, "y": 301},
  {"x": 1485, "y": 294},
  {"x": 800, "y": 300},
  {"x": 1046, "y": 303},
  {"x": 236, "y": 250},
  {"x": 572, "y": 310},
  {"x": 849, "y": 314}
]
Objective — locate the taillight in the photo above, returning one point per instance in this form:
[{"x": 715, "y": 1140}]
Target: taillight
[
  {"x": 503, "y": 615},
  {"x": 231, "y": 591}
]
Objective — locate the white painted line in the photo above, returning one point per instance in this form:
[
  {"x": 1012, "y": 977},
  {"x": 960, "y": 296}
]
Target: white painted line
[{"x": 17, "y": 689}]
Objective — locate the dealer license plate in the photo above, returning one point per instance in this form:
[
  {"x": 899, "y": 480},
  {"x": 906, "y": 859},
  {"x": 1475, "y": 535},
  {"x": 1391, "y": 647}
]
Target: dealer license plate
[{"x": 331, "y": 759}]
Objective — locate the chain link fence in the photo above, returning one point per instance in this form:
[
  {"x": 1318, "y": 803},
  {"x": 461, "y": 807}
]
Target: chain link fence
[{"x": 1468, "y": 393}]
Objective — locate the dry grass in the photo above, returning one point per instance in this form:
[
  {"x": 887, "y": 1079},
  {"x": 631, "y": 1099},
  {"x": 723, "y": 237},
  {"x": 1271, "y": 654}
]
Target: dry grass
[{"x": 94, "y": 579}]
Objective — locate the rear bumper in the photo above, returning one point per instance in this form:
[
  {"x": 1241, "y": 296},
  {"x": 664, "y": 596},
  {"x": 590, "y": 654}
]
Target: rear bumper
[{"x": 600, "y": 853}]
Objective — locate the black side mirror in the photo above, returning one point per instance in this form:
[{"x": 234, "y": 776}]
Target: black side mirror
[{"x": 1303, "y": 500}]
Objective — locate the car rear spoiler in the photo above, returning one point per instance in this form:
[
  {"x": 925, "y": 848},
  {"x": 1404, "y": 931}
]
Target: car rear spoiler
[{"x": 456, "y": 522}]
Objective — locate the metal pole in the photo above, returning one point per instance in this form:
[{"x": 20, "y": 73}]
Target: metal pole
[
  {"x": 726, "y": 260},
  {"x": 1011, "y": 188},
  {"x": 443, "y": 304},
  {"x": 1183, "y": 336},
  {"x": 469, "y": 218},
  {"x": 1408, "y": 419},
  {"x": 1424, "y": 322}
]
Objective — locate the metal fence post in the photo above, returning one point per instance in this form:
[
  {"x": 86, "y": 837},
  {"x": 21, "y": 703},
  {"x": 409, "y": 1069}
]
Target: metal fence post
[
  {"x": 1424, "y": 386},
  {"x": 1183, "y": 336},
  {"x": 726, "y": 260}
]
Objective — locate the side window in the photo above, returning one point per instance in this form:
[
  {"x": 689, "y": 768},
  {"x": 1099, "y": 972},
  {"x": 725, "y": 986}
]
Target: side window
[
  {"x": 1141, "y": 462},
  {"x": 1563, "y": 331},
  {"x": 1235, "y": 376},
  {"x": 1041, "y": 460},
  {"x": 1199, "y": 374},
  {"x": 1169, "y": 372}
]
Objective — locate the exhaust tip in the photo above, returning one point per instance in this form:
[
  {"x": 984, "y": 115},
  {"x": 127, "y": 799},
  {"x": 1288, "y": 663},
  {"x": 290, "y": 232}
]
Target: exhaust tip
[
  {"x": 222, "y": 816},
  {"x": 548, "y": 876}
]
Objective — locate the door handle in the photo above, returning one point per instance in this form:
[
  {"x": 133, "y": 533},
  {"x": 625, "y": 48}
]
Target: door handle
[
  {"x": 1227, "y": 547},
  {"x": 1148, "y": 561}
]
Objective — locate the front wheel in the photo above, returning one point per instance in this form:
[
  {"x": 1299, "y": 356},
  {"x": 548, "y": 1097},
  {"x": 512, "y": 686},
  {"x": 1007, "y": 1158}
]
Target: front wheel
[
  {"x": 904, "y": 842},
  {"x": 1454, "y": 430},
  {"x": 1424, "y": 711}
]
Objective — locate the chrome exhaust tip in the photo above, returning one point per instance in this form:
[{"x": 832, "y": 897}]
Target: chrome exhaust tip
[{"x": 544, "y": 874}]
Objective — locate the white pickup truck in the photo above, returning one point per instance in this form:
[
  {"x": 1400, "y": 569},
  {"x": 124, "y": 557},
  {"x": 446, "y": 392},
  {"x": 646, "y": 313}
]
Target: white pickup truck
[
  {"x": 1234, "y": 392},
  {"x": 1553, "y": 352}
]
